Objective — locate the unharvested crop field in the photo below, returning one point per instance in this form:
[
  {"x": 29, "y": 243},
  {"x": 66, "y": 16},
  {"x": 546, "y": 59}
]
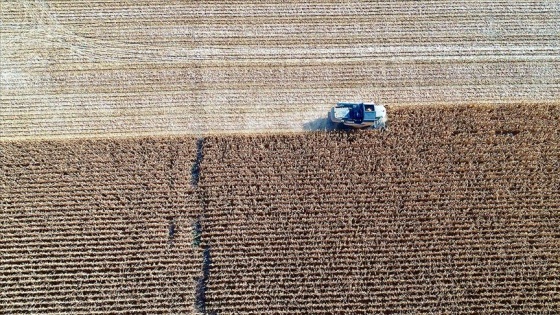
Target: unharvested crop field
[
  {"x": 97, "y": 227},
  {"x": 98, "y": 68},
  {"x": 453, "y": 210}
]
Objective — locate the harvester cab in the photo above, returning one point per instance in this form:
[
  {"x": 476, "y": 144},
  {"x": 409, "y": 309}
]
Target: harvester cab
[{"x": 359, "y": 115}]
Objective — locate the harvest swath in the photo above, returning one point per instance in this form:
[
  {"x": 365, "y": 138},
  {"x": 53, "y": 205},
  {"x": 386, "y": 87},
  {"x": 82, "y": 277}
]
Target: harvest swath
[
  {"x": 89, "y": 68},
  {"x": 451, "y": 211}
]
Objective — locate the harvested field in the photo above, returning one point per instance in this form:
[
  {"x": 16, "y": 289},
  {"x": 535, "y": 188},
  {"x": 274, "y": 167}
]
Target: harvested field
[
  {"x": 453, "y": 210},
  {"x": 98, "y": 68},
  {"x": 448, "y": 212},
  {"x": 98, "y": 227}
]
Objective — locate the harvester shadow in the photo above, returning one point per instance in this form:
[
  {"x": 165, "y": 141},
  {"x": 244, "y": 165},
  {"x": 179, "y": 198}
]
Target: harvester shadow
[
  {"x": 325, "y": 124},
  {"x": 319, "y": 124}
]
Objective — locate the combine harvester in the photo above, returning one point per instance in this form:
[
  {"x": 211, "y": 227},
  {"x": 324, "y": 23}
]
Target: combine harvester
[{"x": 358, "y": 116}]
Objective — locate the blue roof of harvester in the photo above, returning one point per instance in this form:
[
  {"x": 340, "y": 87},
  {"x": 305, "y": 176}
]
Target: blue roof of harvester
[{"x": 369, "y": 116}]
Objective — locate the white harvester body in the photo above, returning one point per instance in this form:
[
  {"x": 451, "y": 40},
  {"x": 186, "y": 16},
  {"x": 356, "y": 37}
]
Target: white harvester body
[{"x": 359, "y": 115}]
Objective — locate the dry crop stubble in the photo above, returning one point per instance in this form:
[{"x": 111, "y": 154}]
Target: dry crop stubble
[{"x": 85, "y": 68}]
